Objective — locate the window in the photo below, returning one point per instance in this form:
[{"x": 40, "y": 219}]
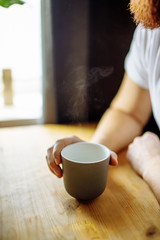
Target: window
[{"x": 20, "y": 62}]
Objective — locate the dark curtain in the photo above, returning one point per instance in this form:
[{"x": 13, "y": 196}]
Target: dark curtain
[
  {"x": 111, "y": 29},
  {"x": 90, "y": 41}
]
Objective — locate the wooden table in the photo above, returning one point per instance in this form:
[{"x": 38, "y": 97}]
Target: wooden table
[{"x": 34, "y": 204}]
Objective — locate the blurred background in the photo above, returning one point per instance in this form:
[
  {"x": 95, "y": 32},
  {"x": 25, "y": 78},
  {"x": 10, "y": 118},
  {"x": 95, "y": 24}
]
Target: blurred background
[
  {"x": 20, "y": 63},
  {"x": 62, "y": 61}
]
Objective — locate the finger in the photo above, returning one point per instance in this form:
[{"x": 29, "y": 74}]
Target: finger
[
  {"x": 50, "y": 157},
  {"x": 55, "y": 169},
  {"x": 151, "y": 134},
  {"x": 113, "y": 159},
  {"x": 50, "y": 151},
  {"x": 60, "y": 144}
]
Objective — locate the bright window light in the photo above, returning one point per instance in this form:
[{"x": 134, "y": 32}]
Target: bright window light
[{"x": 20, "y": 62}]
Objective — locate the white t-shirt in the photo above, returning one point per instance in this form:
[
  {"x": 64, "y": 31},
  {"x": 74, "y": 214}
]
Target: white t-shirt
[{"x": 142, "y": 64}]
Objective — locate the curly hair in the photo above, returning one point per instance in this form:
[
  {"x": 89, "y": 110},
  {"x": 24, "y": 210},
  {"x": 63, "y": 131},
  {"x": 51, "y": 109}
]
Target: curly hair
[{"x": 146, "y": 12}]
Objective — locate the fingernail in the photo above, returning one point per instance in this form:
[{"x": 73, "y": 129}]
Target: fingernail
[
  {"x": 56, "y": 171},
  {"x": 116, "y": 161},
  {"x": 56, "y": 161},
  {"x": 115, "y": 156}
]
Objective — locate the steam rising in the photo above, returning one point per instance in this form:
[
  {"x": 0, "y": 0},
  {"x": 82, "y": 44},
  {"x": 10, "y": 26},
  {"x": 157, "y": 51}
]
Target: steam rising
[{"x": 77, "y": 84}]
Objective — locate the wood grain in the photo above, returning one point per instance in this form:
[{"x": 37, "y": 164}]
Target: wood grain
[{"x": 35, "y": 205}]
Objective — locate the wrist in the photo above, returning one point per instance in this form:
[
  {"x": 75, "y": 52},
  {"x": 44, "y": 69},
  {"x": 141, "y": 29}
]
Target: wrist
[{"x": 152, "y": 169}]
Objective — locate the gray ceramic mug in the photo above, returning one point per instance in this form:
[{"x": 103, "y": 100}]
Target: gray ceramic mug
[{"x": 85, "y": 169}]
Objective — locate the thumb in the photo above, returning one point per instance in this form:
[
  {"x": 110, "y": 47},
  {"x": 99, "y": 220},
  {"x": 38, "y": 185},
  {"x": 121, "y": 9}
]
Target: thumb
[{"x": 113, "y": 159}]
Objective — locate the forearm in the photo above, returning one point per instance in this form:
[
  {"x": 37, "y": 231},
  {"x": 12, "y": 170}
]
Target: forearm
[
  {"x": 124, "y": 120},
  {"x": 116, "y": 129}
]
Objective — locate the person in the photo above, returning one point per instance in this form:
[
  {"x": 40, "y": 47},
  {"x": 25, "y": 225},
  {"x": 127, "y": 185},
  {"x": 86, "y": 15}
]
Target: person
[{"x": 138, "y": 96}]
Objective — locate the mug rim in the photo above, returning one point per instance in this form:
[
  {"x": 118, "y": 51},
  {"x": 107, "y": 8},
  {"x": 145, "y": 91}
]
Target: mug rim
[{"x": 108, "y": 154}]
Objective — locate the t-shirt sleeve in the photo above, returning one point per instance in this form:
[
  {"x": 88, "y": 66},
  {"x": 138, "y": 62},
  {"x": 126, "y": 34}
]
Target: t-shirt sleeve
[{"x": 135, "y": 61}]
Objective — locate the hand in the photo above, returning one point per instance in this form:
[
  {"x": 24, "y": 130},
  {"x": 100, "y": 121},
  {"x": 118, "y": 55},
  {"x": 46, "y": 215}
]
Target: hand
[
  {"x": 54, "y": 154},
  {"x": 144, "y": 153}
]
